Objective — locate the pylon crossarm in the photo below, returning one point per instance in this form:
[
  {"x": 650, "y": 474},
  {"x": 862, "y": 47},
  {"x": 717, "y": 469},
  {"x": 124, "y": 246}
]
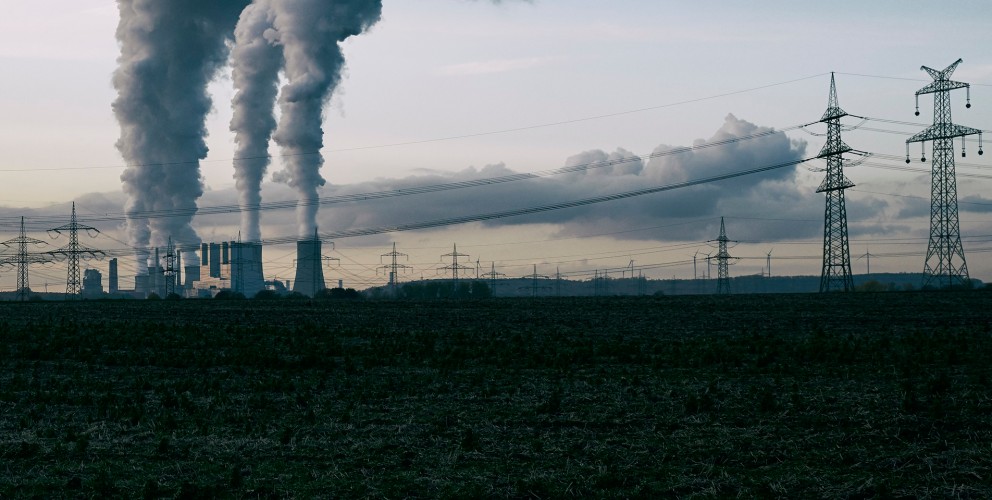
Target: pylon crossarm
[
  {"x": 942, "y": 131},
  {"x": 941, "y": 86}
]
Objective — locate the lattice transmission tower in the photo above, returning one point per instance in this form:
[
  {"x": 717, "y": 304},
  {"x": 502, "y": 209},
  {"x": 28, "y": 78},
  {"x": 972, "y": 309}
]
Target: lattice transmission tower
[
  {"x": 836, "y": 273},
  {"x": 394, "y": 267},
  {"x": 23, "y": 260},
  {"x": 534, "y": 287},
  {"x": 723, "y": 260},
  {"x": 455, "y": 267},
  {"x": 73, "y": 252},
  {"x": 169, "y": 271},
  {"x": 493, "y": 276},
  {"x": 945, "y": 264}
]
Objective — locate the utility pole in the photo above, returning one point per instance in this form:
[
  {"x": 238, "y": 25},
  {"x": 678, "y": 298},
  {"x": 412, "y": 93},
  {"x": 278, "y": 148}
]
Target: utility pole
[
  {"x": 945, "y": 263},
  {"x": 23, "y": 260},
  {"x": 394, "y": 267},
  {"x": 723, "y": 259},
  {"x": 836, "y": 272}
]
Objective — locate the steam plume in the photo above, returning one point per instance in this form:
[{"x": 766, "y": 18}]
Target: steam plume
[
  {"x": 256, "y": 60},
  {"x": 170, "y": 50},
  {"x": 310, "y": 32}
]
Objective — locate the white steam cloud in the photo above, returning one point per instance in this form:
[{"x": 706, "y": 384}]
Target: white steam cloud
[{"x": 170, "y": 51}]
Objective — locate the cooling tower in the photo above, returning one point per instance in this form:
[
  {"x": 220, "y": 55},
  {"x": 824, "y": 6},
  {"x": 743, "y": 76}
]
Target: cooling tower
[
  {"x": 309, "y": 272},
  {"x": 246, "y": 268}
]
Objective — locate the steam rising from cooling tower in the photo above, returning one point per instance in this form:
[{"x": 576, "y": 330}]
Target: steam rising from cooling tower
[
  {"x": 256, "y": 60},
  {"x": 301, "y": 37},
  {"x": 170, "y": 50},
  {"x": 310, "y": 32}
]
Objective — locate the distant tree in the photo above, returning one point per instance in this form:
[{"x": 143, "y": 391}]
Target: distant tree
[
  {"x": 871, "y": 286},
  {"x": 173, "y": 296},
  {"x": 338, "y": 294},
  {"x": 153, "y": 296},
  {"x": 266, "y": 295},
  {"x": 229, "y": 295}
]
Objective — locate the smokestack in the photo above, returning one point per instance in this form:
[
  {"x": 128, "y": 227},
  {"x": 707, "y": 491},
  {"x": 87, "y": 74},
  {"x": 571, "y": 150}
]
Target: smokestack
[
  {"x": 204, "y": 260},
  {"x": 225, "y": 253},
  {"x": 246, "y": 268},
  {"x": 310, "y": 32},
  {"x": 192, "y": 276},
  {"x": 214, "y": 260},
  {"x": 112, "y": 285},
  {"x": 170, "y": 51},
  {"x": 309, "y": 271}
]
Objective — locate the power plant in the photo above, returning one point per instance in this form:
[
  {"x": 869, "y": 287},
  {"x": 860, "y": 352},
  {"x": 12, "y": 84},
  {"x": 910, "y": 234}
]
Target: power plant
[{"x": 228, "y": 265}]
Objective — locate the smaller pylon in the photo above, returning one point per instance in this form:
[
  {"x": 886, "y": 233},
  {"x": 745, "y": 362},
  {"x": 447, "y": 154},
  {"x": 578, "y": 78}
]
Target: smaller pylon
[
  {"x": 835, "y": 274},
  {"x": 723, "y": 260},
  {"x": 492, "y": 276},
  {"x": 454, "y": 267},
  {"x": 169, "y": 271},
  {"x": 534, "y": 287},
  {"x": 394, "y": 267},
  {"x": 73, "y": 252},
  {"x": 23, "y": 261}
]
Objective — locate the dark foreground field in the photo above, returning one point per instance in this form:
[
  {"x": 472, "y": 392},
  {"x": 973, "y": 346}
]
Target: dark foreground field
[{"x": 863, "y": 395}]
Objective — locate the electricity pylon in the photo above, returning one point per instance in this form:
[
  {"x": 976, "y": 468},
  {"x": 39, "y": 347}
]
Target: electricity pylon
[
  {"x": 723, "y": 261},
  {"x": 492, "y": 276},
  {"x": 534, "y": 287},
  {"x": 73, "y": 251},
  {"x": 455, "y": 266},
  {"x": 394, "y": 267},
  {"x": 945, "y": 264},
  {"x": 23, "y": 260},
  {"x": 169, "y": 272},
  {"x": 836, "y": 272}
]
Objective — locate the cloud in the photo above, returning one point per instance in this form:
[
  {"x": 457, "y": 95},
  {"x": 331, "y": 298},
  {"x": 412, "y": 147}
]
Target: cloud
[
  {"x": 777, "y": 193},
  {"x": 762, "y": 207}
]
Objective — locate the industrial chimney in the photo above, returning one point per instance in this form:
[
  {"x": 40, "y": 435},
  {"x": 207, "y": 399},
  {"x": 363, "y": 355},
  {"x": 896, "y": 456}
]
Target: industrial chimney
[
  {"x": 112, "y": 277},
  {"x": 309, "y": 272}
]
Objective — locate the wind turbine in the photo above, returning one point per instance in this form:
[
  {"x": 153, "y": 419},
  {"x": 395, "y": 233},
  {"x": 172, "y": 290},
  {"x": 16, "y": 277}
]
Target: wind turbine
[
  {"x": 769, "y": 262},
  {"x": 867, "y": 256},
  {"x": 694, "y": 275}
]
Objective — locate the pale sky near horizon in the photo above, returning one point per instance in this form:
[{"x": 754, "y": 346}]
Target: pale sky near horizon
[{"x": 437, "y": 69}]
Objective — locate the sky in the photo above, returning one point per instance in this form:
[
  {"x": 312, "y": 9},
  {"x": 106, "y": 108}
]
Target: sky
[{"x": 452, "y": 90}]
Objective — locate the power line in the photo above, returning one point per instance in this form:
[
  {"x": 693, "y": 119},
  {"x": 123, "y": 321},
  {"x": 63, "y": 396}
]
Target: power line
[{"x": 436, "y": 139}]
